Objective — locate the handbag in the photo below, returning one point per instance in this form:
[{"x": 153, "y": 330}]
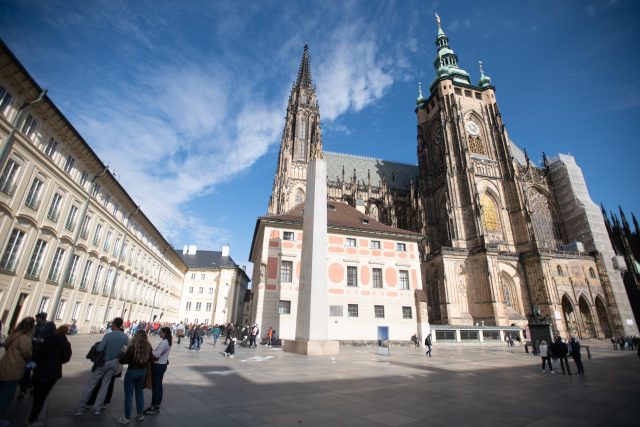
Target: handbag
[{"x": 148, "y": 379}]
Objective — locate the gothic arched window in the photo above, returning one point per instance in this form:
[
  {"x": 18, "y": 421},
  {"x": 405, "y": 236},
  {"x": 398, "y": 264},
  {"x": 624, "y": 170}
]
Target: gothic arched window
[
  {"x": 592, "y": 273},
  {"x": 543, "y": 219},
  {"x": 302, "y": 128},
  {"x": 559, "y": 270},
  {"x": 490, "y": 217},
  {"x": 299, "y": 197}
]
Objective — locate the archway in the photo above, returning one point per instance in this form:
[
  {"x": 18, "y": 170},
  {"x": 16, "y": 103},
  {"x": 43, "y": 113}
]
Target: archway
[
  {"x": 587, "y": 319},
  {"x": 569, "y": 316},
  {"x": 603, "y": 317}
]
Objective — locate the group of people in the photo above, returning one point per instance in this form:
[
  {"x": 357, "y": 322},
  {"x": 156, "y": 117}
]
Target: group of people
[
  {"x": 626, "y": 343},
  {"x": 556, "y": 353}
]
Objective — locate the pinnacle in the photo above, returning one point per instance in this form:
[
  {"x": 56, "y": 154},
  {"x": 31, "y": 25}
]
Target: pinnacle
[{"x": 304, "y": 72}]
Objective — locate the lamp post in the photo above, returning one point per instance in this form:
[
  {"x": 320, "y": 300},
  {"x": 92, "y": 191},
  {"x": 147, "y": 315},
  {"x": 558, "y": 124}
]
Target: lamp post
[{"x": 8, "y": 143}]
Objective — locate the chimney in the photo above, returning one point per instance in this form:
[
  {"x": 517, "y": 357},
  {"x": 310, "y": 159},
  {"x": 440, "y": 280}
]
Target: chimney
[
  {"x": 184, "y": 250},
  {"x": 225, "y": 250},
  {"x": 193, "y": 249}
]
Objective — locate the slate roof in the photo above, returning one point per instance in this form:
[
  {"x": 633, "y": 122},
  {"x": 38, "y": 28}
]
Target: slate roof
[
  {"x": 207, "y": 260},
  {"x": 341, "y": 215},
  {"x": 397, "y": 175}
]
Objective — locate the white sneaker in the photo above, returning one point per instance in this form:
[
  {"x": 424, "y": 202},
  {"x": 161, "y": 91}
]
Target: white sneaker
[
  {"x": 124, "y": 420},
  {"x": 140, "y": 417},
  {"x": 231, "y": 355}
]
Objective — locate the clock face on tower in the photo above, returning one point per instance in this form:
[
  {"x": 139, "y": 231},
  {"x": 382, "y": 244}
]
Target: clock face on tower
[{"x": 472, "y": 128}]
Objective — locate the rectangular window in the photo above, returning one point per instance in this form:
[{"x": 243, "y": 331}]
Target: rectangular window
[
  {"x": 352, "y": 310},
  {"x": 200, "y": 290},
  {"x": 85, "y": 274},
  {"x": 107, "y": 241},
  {"x": 54, "y": 208},
  {"x": 29, "y": 126},
  {"x": 404, "y": 279},
  {"x": 351, "y": 242},
  {"x": 105, "y": 200},
  {"x": 61, "y": 307},
  {"x": 10, "y": 255},
  {"x": 284, "y": 307},
  {"x": 190, "y": 289},
  {"x": 116, "y": 247},
  {"x": 203, "y": 276},
  {"x": 188, "y": 306},
  {"x": 68, "y": 165},
  {"x": 402, "y": 247},
  {"x": 406, "y": 312},
  {"x": 5, "y": 100},
  {"x": 335, "y": 310},
  {"x": 210, "y": 291},
  {"x": 73, "y": 270},
  {"x": 89, "y": 314},
  {"x": 84, "y": 177},
  {"x": 375, "y": 244},
  {"x": 76, "y": 310},
  {"x": 193, "y": 276},
  {"x": 198, "y": 306},
  {"x": 116, "y": 209},
  {"x": 107, "y": 282},
  {"x": 96, "y": 235},
  {"x": 71, "y": 218},
  {"x": 286, "y": 270},
  {"x": 44, "y": 305},
  {"x": 84, "y": 228},
  {"x": 9, "y": 177},
  {"x": 378, "y": 311},
  {"x": 35, "y": 263},
  {"x": 96, "y": 280},
  {"x": 54, "y": 270},
  {"x": 288, "y": 235},
  {"x": 352, "y": 276},
  {"x": 33, "y": 197},
  {"x": 95, "y": 191},
  {"x": 51, "y": 148},
  {"x": 377, "y": 278},
  {"x": 208, "y": 306}
]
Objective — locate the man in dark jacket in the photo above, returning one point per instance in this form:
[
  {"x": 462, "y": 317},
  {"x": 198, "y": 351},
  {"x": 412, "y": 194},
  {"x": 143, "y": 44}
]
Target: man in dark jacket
[
  {"x": 561, "y": 350},
  {"x": 427, "y": 343},
  {"x": 43, "y": 330},
  {"x": 575, "y": 353}
]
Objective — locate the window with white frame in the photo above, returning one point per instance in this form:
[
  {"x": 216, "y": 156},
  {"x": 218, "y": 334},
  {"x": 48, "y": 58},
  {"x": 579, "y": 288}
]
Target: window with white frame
[
  {"x": 96, "y": 279},
  {"x": 401, "y": 247},
  {"x": 198, "y": 306},
  {"x": 377, "y": 278},
  {"x": 44, "y": 305},
  {"x": 352, "y": 276},
  {"x": 35, "y": 262},
  {"x": 375, "y": 244},
  {"x": 286, "y": 271},
  {"x": 60, "y": 310},
  {"x": 116, "y": 247},
  {"x": 12, "y": 250},
  {"x": 288, "y": 235},
  {"x": 407, "y": 312},
  {"x": 352, "y": 310},
  {"x": 84, "y": 228},
  {"x": 84, "y": 177},
  {"x": 51, "y": 148},
  {"x": 33, "y": 197},
  {"x": 68, "y": 165},
  {"x": 193, "y": 276},
  {"x": 203, "y": 276},
  {"x": 107, "y": 241},
  {"x": 76, "y": 310},
  {"x": 335, "y": 310},
  {"x": 5, "y": 100},
  {"x": 105, "y": 200},
  {"x": 107, "y": 282},
  {"x": 209, "y": 306},
  {"x": 200, "y": 290},
  {"x": 190, "y": 289},
  {"x": 54, "y": 207},
  {"x": 378, "y": 311},
  {"x": 210, "y": 291},
  {"x": 71, "y": 218},
  {"x": 95, "y": 190},
  {"x": 350, "y": 242},
  {"x": 9, "y": 177},
  {"x": 29, "y": 126},
  {"x": 85, "y": 274},
  {"x": 75, "y": 261},
  {"x": 404, "y": 279},
  {"x": 187, "y": 306},
  {"x": 96, "y": 235},
  {"x": 284, "y": 307},
  {"x": 89, "y": 314},
  {"x": 56, "y": 264}
]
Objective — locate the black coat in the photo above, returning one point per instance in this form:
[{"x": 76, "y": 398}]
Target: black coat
[{"x": 51, "y": 355}]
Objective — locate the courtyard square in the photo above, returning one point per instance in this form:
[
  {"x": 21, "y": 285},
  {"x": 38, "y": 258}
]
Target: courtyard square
[{"x": 460, "y": 385}]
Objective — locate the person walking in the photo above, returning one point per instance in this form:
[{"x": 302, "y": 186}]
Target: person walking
[
  {"x": 575, "y": 354},
  {"x": 254, "y": 334},
  {"x": 544, "y": 354},
  {"x": 197, "y": 337},
  {"x": 427, "y": 342},
  {"x": 158, "y": 368},
  {"x": 111, "y": 347},
  {"x": 51, "y": 354},
  {"x": 216, "y": 333},
  {"x": 180, "y": 331},
  {"x": 138, "y": 355},
  {"x": 18, "y": 349},
  {"x": 231, "y": 348},
  {"x": 269, "y": 336},
  {"x": 414, "y": 340}
]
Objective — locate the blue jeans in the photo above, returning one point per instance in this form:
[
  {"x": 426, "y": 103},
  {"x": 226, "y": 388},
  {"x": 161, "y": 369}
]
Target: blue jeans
[
  {"x": 7, "y": 391},
  {"x": 197, "y": 343},
  {"x": 134, "y": 380},
  {"x": 157, "y": 374}
]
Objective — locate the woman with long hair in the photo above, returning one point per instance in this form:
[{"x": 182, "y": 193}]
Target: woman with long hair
[
  {"x": 137, "y": 356},
  {"x": 158, "y": 368},
  {"x": 18, "y": 349},
  {"x": 52, "y": 353}
]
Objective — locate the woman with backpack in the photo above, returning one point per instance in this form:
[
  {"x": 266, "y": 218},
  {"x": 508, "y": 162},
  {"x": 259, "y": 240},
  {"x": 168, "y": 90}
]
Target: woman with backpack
[
  {"x": 138, "y": 355},
  {"x": 158, "y": 368}
]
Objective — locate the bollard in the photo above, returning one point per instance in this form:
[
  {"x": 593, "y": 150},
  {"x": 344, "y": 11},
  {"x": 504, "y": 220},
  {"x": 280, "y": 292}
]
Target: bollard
[{"x": 588, "y": 351}]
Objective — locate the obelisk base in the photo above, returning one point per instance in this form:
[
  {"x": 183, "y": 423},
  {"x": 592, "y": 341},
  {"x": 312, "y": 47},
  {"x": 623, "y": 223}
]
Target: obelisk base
[{"x": 312, "y": 348}]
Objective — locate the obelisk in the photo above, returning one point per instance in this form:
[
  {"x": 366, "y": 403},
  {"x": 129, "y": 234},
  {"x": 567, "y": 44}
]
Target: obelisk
[{"x": 312, "y": 321}]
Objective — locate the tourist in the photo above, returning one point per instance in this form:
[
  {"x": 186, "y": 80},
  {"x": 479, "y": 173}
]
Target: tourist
[
  {"x": 544, "y": 353},
  {"x": 231, "y": 348},
  {"x": 428, "y": 344},
  {"x": 254, "y": 334},
  {"x": 18, "y": 349},
  {"x": 216, "y": 333},
  {"x": 158, "y": 368},
  {"x": 197, "y": 332},
  {"x": 575, "y": 353},
  {"x": 414, "y": 340},
  {"x": 180, "y": 331},
  {"x": 43, "y": 330},
  {"x": 192, "y": 336},
  {"x": 137, "y": 356},
  {"x": 111, "y": 346},
  {"x": 269, "y": 336},
  {"x": 51, "y": 354},
  {"x": 561, "y": 350}
]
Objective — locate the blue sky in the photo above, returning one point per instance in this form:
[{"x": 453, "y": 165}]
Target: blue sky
[{"x": 186, "y": 100}]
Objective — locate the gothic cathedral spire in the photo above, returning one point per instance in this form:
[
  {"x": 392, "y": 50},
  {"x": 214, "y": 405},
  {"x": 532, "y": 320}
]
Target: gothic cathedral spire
[{"x": 301, "y": 141}]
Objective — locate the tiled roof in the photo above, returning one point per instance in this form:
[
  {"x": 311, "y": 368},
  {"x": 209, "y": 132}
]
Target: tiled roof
[
  {"x": 341, "y": 215},
  {"x": 396, "y": 175}
]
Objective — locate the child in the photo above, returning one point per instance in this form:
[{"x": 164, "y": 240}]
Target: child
[{"x": 230, "y": 350}]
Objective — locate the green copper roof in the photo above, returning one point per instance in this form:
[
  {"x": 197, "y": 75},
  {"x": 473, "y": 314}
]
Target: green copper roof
[
  {"x": 446, "y": 62},
  {"x": 484, "y": 80}
]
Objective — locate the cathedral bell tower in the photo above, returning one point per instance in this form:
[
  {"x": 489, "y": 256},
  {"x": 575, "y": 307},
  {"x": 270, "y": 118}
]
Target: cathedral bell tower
[{"x": 301, "y": 137}]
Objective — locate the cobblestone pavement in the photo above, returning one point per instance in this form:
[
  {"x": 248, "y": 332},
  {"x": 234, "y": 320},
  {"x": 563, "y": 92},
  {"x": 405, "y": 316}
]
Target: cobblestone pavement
[{"x": 474, "y": 385}]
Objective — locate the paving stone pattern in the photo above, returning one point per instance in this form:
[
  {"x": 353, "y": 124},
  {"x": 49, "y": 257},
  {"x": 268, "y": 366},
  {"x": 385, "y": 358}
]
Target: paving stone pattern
[{"x": 460, "y": 385}]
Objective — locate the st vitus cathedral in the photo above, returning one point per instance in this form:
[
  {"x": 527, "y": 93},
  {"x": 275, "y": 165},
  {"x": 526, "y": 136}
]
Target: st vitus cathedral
[{"x": 503, "y": 243}]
